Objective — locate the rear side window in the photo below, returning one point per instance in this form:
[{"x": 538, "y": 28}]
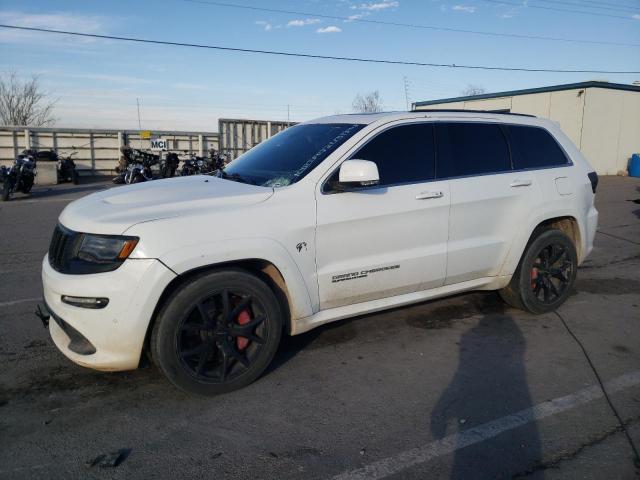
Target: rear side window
[
  {"x": 403, "y": 154},
  {"x": 534, "y": 147},
  {"x": 470, "y": 149}
]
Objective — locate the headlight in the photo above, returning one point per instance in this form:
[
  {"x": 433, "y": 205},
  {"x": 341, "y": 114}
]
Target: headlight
[
  {"x": 79, "y": 253},
  {"x": 103, "y": 249},
  {"x": 102, "y": 253}
]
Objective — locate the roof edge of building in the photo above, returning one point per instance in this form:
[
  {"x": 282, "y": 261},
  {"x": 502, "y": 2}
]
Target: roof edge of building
[{"x": 527, "y": 91}]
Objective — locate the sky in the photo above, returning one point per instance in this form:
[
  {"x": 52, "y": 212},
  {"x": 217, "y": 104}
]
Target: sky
[{"x": 96, "y": 82}]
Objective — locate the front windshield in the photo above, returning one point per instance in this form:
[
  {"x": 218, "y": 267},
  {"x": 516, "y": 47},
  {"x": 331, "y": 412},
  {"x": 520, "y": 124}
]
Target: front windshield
[{"x": 288, "y": 156}]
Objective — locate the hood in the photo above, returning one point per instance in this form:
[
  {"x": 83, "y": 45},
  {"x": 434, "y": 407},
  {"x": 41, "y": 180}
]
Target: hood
[{"x": 114, "y": 210}]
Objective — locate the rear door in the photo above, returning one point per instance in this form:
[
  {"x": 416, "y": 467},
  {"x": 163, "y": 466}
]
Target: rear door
[
  {"x": 389, "y": 239},
  {"x": 489, "y": 201}
]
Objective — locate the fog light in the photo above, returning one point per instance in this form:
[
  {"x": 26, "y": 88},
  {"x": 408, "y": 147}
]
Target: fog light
[{"x": 85, "y": 302}]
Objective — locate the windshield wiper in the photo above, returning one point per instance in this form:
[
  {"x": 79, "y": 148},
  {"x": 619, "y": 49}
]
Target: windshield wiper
[{"x": 235, "y": 177}]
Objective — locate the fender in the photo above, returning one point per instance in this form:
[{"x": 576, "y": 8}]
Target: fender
[
  {"x": 205, "y": 254},
  {"x": 520, "y": 242}
]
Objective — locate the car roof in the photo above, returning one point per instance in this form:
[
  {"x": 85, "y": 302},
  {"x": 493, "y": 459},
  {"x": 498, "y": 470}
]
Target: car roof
[{"x": 385, "y": 117}]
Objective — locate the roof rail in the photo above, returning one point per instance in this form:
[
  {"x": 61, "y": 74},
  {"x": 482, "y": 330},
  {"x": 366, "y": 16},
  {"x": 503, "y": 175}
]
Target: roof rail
[{"x": 459, "y": 110}]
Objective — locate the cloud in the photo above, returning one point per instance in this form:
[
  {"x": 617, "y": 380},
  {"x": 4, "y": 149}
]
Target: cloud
[
  {"x": 635, "y": 16},
  {"x": 329, "y": 29},
  {"x": 376, "y": 6},
  {"x": 357, "y": 16},
  {"x": 266, "y": 25},
  {"x": 303, "y": 22},
  {"x": 464, "y": 8},
  {"x": 509, "y": 13}
]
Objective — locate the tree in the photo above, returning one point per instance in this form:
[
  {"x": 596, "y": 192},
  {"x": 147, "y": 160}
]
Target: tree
[
  {"x": 473, "y": 90},
  {"x": 370, "y": 103},
  {"x": 24, "y": 103}
]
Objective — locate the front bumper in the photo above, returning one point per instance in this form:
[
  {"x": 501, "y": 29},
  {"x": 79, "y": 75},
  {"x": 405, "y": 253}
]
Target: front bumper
[{"x": 117, "y": 331}]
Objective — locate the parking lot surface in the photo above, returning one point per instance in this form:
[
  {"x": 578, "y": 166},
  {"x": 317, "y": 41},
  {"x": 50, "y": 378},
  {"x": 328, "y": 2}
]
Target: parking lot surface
[{"x": 464, "y": 387}]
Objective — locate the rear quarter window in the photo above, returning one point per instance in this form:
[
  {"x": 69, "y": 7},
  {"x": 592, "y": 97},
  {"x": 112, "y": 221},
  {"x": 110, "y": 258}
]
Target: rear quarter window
[{"x": 534, "y": 147}]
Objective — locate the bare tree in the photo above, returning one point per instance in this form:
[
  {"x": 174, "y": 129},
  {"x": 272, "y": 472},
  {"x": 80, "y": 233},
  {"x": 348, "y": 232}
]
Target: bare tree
[
  {"x": 473, "y": 90},
  {"x": 369, "y": 103},
  {"x": 24, "y": 103}
]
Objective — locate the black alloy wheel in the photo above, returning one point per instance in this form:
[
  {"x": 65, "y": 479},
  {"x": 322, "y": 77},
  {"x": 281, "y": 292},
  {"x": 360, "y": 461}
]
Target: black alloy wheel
[
  {"x": 221, "y": 336},
  {"x": 545, "y": 275},
  {"x": 551, "y": 273},
  {"x": 217, "y": 332}
]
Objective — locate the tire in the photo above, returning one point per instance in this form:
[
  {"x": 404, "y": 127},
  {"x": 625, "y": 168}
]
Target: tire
[
  {"x": 27, "y": 185},
  {"x": 210, "y": 356},
  {"x": 6, "y": 189},
  {"x": 138, "y": 179},
  {"x": 75, "y": 178},
  {"x": 545, "y": 275}
]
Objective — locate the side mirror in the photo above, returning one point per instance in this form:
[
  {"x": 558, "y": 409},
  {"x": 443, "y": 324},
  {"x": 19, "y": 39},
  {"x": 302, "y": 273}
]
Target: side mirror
[{"x": 358, "y": 173}]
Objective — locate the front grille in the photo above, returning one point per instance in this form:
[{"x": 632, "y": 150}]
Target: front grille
[{"x": 62, "y": 247}]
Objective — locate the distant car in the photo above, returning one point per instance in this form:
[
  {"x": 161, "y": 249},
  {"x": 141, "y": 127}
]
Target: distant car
[{"x": 332, "y": 218}]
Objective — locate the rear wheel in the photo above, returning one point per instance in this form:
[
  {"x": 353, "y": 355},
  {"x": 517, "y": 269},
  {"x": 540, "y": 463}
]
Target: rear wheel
[
  {"x": 6, "y": 189},
  {"x": 545, "y": 275},
  {"x": 27, "y": 184},
  {"x": 217, "y": 333}
]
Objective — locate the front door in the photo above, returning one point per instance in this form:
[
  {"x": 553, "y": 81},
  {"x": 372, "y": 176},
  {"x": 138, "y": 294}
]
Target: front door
[{"x": 389, "y": 239}]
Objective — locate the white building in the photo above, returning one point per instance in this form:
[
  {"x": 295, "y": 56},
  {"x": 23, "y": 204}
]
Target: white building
[{"x": 602, "y": 119}]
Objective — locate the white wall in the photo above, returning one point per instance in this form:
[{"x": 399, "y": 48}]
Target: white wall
[{"x": 611, "y": 129}]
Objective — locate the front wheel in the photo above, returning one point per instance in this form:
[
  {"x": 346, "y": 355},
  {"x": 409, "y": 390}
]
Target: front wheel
[
  {"x": 545, "y": 275},
  {"x": 217, "y": 333}
]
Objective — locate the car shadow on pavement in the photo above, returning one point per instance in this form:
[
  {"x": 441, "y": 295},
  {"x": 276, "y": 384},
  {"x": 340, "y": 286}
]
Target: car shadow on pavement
[
  {"x": 636, "y": 201},
  {"x": 490, "y": 383}
]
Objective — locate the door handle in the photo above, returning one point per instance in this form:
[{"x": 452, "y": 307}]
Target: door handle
[
  {"x": 428, "y": 195},
  {"x": 520, "y": 183}
]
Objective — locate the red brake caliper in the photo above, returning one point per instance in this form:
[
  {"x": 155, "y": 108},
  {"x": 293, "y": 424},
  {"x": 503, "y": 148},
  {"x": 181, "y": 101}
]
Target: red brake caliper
[
  {"x": 534, "y": 277},
  {"x": 243, "y": 319}
]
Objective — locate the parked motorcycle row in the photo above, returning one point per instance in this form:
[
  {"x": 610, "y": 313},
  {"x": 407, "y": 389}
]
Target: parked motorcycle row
[
  {"x": 135, "y": 165},
  {"x": 20, "y": 176}
]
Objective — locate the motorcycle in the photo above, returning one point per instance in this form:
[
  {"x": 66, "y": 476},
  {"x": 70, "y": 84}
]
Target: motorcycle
[
  {"x": 67, "y": 169},
  {"x": 20, "y": 176},
  {"x": 135, "y": 166},
  {"x": 195, "y": 165},
  {"x": 169, "y": 165},
  {"x": 218, "y": 160}
]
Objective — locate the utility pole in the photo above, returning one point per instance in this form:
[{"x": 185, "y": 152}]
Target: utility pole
[
  {"x": 139, "y": 124},
  {"x": 406, "y": 91},
  {"x": 288, "y": 114}
]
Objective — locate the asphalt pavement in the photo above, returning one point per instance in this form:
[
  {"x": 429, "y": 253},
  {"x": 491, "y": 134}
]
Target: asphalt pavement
[{"x": 459, "y": 388}]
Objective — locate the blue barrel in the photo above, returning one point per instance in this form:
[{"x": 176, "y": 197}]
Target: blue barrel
[{"x": 634, "y": 165}]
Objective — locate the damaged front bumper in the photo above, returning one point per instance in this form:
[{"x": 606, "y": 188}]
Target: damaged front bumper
[
  {"x": 109, "y": 337},
  {"x": 77, "y": 342}
]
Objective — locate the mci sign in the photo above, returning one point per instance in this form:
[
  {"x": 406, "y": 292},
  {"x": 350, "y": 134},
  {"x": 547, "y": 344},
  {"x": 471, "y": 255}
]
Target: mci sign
[{"x": 158, "y": 144}]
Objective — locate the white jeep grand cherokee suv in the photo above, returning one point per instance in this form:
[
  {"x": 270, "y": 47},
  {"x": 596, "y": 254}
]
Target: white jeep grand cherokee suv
[{"x": 331, "y": 218}]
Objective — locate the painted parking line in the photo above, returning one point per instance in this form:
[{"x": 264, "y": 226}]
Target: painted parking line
[
  {"x": 401, "y": 461},
  {"x": 22, "y": 300}
]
